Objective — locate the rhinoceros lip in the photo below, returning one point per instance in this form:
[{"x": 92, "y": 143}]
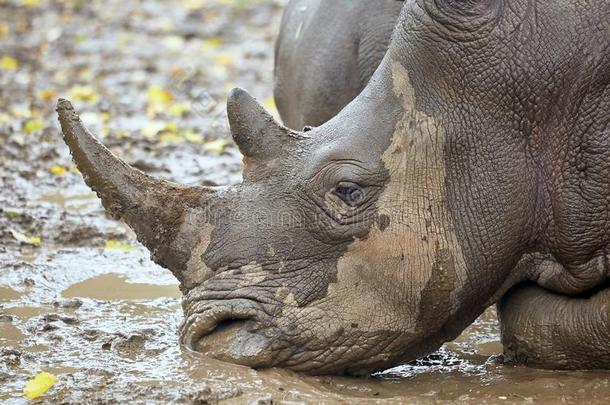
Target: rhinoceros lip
[{"x": 208, "y": 315}]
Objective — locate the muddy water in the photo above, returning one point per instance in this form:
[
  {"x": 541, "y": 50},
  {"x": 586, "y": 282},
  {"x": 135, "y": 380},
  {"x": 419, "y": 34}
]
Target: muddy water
[
  {"x": 105, "y": 320},
  {"x": 105, "y": 323}
]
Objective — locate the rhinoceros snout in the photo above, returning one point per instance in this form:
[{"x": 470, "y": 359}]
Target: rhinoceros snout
[{"x": 228, "y": 331}]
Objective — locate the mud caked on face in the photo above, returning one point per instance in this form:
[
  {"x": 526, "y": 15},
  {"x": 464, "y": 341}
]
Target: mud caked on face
[{"x": 367, "y": 241}]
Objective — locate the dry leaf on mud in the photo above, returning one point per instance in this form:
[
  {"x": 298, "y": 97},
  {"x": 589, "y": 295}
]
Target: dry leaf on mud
[
  {"x": 30, "y": 3},
  {"x": 212, "y": 43},
  {"x": 47, "y": 95},
  {"x": 117, "y": 245},
  {"x": 58, "y": 170},
  {"x": 28, "y": 240},
  {"x": 178, "y": 109},
  {"x": 39, "y": 385},
  {"x": 223, "y": 59},
  {"x": 4, "y": 29},
  {"x": 32, "y": 126},
  {"x": 217, "y": 146},
  {"x": 158, "y": 100},
  {"x": 270, "y": 103},
  {"x": 8, "y": 63},
  {"x": 84, "y": 94}
]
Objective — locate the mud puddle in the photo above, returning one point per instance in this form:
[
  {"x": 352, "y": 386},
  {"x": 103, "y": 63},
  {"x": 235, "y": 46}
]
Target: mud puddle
[{"x": 106, "y": 324}]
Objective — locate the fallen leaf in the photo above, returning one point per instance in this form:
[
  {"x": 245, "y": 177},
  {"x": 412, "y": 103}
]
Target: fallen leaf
[
  {"x": 79, "y": 39},
  {"x": 12, "y": 214},
  {"x": 158, "y": 100},
  {"x": 503, "y": 397},
  {"x": 114, "y": 244},
  {"x": 85, "y": 94},
  {"x": 192, "y": 136},
  {"x": 8, "y": 63},
  {"x": 178, "y": 109},
  {"x": 30, "y": 3},
  {"x": 28, "y": 240},
  {"x": 32, "y": 126},
  {"x": 171, "y": 137},
  {"x": 58, "y": 170},
  {"x": 47, "y": 95},
  {"x": 218, "y": 146},
  {"x": 39, "y": 385},
  {"x": 223, "y": 59},
  {"x": 212, "y": 43},
  {"x": 4, "y": 29},
  {"x": 159, "y": 95},
  {"x": 193, "y": 4},
  {"x": 270, "y": 103}
]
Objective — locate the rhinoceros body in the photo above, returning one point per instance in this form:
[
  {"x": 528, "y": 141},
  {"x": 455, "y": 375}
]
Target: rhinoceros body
[
  {"x": 473, "y": 168},
  {"x": 326, "y": 52}
]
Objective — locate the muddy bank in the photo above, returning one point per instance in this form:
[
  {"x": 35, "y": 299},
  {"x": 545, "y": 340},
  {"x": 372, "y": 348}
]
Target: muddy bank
[{"x": 79, "y": 298}]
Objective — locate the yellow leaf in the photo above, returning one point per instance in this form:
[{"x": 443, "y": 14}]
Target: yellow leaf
[
  {"x": 218, "y": 146},
  {"x": 270, "y": 104},
  {"x": 192, "y": 136},
  {"x": 47, "y": 94},
  {"x": 32, "y": 126},
  {"x": 8, "y": 63},
  {"x": 158, "y": 95},
  {"x": 223, "y": 59},
  {"x": 193, "y": 4},
  {"x": 114, "y": 244},
  {"x": 30, "y": 3},
  {"x": 171, "y": 137},
  {"x": 37, "y": 386},
  {"x": 58, "y": 170},
  {"x": 178, "y": 109},
  {"x": 84, "y": 94},
  {"x": 4, "y": 29},
  {"x": 28, "y": 240},
  {"x": 212, "y": 43},
  {"x": 170, "y": 127}
]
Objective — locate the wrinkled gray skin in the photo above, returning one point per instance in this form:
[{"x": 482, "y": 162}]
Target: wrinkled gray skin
[
  {"x": 325, "y": 54},
  {"x": 476, "y": 158}
]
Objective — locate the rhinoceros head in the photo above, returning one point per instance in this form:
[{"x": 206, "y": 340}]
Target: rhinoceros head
[
  {"x": 379, "y": 235},
  {"x": 330, "y": 256}
]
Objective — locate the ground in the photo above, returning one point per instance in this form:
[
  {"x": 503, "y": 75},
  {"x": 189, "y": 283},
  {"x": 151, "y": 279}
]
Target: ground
[{"x": 79, "y": 298}]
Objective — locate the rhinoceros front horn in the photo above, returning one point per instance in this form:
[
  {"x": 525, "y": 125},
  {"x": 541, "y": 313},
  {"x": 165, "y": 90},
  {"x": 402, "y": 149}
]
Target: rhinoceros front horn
[
  {"x": 155, "y": 209},
  {"x": 256, "y": 133}
]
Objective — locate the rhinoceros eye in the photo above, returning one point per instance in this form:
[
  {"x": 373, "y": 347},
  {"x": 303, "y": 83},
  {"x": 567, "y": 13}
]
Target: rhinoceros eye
[{"x": 352, "y": 194}]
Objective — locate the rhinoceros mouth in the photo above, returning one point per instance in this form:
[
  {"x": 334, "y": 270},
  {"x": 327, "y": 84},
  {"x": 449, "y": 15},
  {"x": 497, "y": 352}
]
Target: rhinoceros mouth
[
  {"x": 229, "y": 330},
  {"x": 205, "y": 317}
]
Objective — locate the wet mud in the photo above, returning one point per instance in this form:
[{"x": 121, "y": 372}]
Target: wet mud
[{"x": 79, "y": 297}]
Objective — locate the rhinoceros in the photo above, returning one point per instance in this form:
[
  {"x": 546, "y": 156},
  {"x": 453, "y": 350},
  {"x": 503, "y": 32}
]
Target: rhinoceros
[
  {"x": 323, "y": 62},
  {"x": 472, "y": 169}
]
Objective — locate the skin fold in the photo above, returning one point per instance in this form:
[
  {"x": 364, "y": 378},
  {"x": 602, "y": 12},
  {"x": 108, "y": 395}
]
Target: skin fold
[{"x": 474, "y": 159}]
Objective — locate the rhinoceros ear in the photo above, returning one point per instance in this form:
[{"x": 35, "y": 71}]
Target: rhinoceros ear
[{"x": 254, "y": 130}]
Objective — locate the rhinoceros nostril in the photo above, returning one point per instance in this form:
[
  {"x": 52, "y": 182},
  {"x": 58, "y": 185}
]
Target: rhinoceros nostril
[
  {"x": 229, "y": 330},
  {"x": 221, "y": 335}
]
